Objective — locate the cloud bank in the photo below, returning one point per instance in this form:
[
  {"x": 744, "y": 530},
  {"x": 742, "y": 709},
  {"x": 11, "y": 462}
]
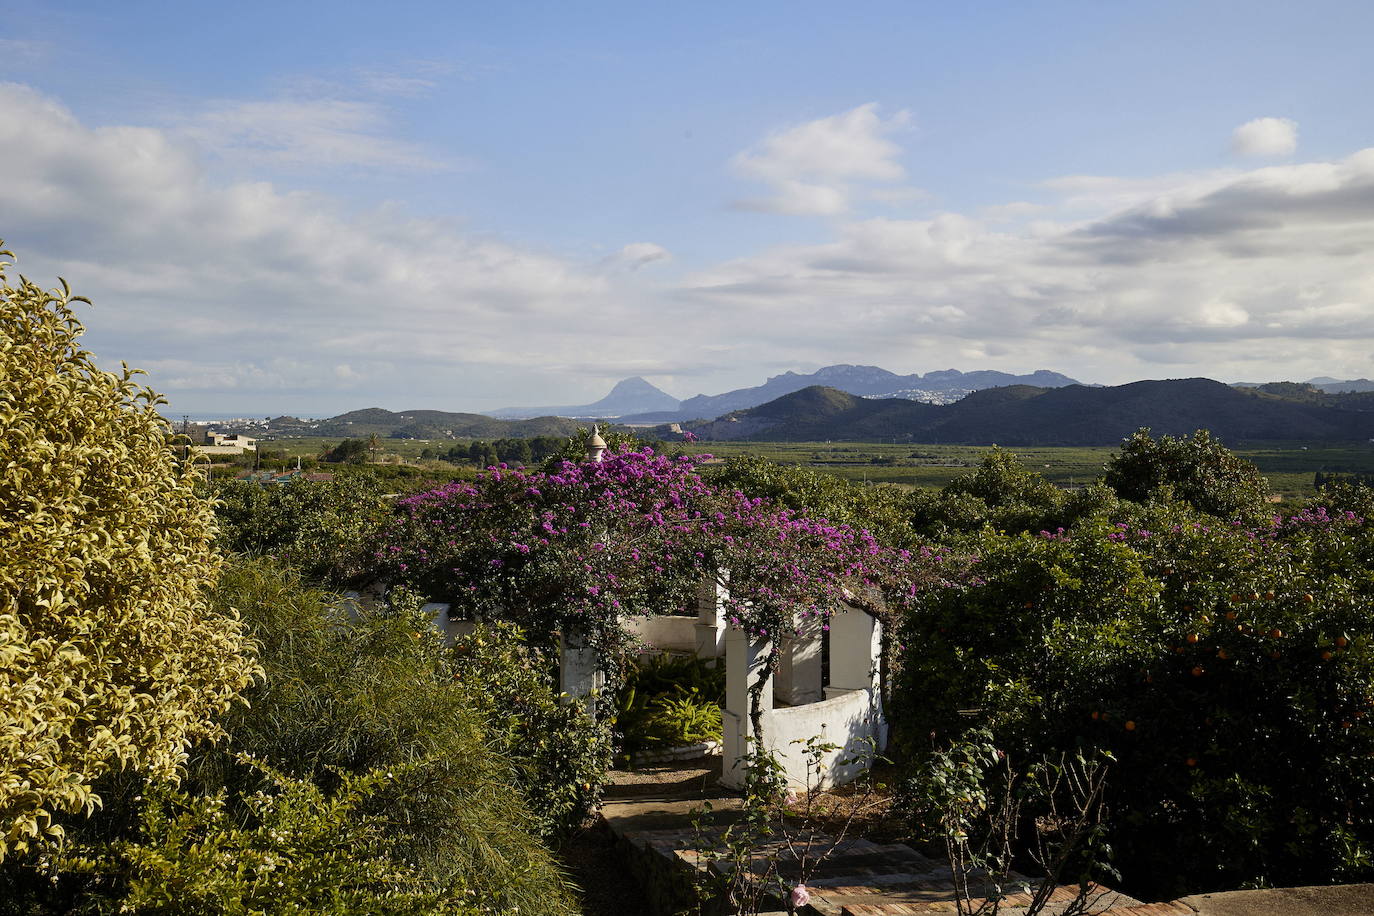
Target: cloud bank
[{"x": 248, "y": 293}]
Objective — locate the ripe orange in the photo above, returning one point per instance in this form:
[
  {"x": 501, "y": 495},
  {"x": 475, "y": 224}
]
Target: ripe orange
[
  {"x": 1198, "y": 671},
  {"x": 1276, "y": 633},
  {"x": 1308, "y": 598},
  {"x": 1130, "y": 725},
  {"x": 1327, "y": 655},
  {"x": 1096, "y": 714},
  {"x": 1223, "y": 654},
  {"x": 1342, "y": 641},
  {"x": 1269, "y": 596},
  {"x": 1192, "y": 638},
  {"x": 1191, "y": 761},
  {"x": 1231, "y": 615}
]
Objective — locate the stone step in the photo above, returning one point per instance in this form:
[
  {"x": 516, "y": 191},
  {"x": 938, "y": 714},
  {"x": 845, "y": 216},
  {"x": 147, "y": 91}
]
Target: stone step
[{"x": 910, "y": 903}]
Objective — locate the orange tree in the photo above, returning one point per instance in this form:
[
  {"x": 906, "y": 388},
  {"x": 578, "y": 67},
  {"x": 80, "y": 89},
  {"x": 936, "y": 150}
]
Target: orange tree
[{"x": 1229, "y": 668}]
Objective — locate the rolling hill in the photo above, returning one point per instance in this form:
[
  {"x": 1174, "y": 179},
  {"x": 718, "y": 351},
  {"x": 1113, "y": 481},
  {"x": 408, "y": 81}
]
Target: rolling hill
[{"x": 1024, "y": 415}]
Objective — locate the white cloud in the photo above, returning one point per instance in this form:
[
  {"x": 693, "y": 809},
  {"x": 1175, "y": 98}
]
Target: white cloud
[
  {"x": 812, "y": 168},
  {"x": 1265, "y": 137},
  {"x": 255, "y": 288},
  {"x": 301, "y": 305},
  {"x": 1225, "y": 273},
  {"x": 635, "y": 255},
  {"x": 304, "y": 133}
]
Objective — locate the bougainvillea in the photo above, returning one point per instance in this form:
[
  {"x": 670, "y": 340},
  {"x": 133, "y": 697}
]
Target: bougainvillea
[{"x": 584, "y": 545}]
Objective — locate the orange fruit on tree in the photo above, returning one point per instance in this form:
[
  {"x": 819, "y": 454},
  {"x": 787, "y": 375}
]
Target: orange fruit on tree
[
  {"x": 1192, "y": 638},
  {"x": 1198, "y": 671},
  {"x": 1191, "y": 761},
  {"x": 1130, "y": 725},
  {"x": 1327, "y": 655},
  {"x": 1342, "y": 641}
]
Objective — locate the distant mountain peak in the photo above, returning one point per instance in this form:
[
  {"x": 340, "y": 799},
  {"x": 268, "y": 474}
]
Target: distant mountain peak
[
  {"x": 637, "y": 394},
  {"x": 629, "y": 396}
]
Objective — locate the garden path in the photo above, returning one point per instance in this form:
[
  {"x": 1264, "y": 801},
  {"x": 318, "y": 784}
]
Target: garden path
[{"x": 653, "y": 814}]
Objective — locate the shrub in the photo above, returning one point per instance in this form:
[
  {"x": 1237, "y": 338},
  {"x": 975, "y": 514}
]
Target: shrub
[
  {"x": 324, "y": 528},
  {"x": 353, "y": 694},
  {"x": 1229, "y": 669},
  {"x": 289, "y": 847},
  {"x": 109, "y": 656},
  {"x": 561, "y": 756},
  {"x": 669, "y": 701},
  {"x": 1196, "y": 470}
]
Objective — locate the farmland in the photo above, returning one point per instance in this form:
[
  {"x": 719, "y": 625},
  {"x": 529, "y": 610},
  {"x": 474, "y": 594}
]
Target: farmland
[{"x": 1289, "y": 467}]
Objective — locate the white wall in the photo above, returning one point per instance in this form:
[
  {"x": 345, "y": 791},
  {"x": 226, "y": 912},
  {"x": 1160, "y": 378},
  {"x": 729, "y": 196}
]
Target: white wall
[
  {"x": 672, "y": 634},
  {"x": 851, "y": 719}
]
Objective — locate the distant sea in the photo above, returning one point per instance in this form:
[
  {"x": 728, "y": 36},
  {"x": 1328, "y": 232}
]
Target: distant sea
[{"x": 209, "y": 416}]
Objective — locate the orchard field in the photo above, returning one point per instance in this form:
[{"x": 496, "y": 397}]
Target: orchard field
[{"x": 1289, "y": 467}]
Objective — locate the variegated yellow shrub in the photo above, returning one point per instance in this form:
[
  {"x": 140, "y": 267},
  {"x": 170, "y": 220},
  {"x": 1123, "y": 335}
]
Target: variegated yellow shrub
[{"x": 109, "y": 655}]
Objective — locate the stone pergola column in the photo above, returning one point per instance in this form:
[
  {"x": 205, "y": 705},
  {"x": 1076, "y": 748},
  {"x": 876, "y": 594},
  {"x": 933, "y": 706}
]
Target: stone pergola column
[
  {"x": 579, "y": 671},
  {"x": 856, "y": 640},
  {"x": 746, "y": 660},
  {"x": 710, "y": 625},
  {"x": 799, "y": 676}
]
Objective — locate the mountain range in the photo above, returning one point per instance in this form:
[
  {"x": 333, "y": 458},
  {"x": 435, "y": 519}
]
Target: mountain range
[
  {"x": 885, "y": 406},
  {"x": 640, "y": 402},
  {"x": 1024, "y": 415}
]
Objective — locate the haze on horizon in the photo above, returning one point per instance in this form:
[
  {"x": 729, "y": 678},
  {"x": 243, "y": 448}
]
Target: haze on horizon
[{"x": 314, "y": 207}]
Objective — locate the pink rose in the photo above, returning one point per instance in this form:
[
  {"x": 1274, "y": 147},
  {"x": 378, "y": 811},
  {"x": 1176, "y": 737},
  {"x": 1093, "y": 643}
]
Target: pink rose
[{"x": 800, "y": 895}]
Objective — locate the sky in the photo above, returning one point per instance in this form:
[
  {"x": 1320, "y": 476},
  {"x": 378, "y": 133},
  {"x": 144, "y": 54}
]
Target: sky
[{"x": 308, "y": 208}]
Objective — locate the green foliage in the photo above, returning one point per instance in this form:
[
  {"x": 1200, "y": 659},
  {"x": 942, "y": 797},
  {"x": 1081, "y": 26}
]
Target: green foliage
[
  {"x": 669, "y": 701},
  {"x": 349, "y": 451},
  {"x": 885, "y": 511},
  {"x": 109, "y": 657},
  {"x": 1004, "y": 495},
  {"x": 977, "y": 801},
  {"x": 289, "y": 847},
  {"x": 349, "y": 694},
  {"x": 1197, "y": 470},
  {"x": 561, "y": 756},
  {"x": 325, "y": 528},
  {"x": 1229, "y": 669},
  {"x": 681, "y": 718}
]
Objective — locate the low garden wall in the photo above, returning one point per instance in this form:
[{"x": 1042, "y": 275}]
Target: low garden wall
[{"x": 850, "y": 719}]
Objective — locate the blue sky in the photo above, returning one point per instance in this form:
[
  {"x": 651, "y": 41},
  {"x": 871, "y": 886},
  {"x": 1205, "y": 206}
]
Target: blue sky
[{"x": 312, "y": 207}]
